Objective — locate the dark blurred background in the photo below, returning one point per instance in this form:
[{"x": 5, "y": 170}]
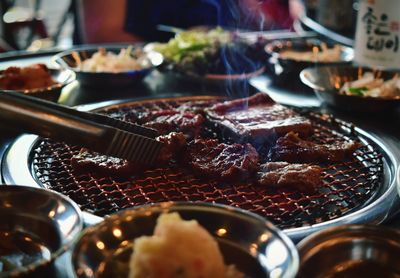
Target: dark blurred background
[{"x": 40, "y": 24}]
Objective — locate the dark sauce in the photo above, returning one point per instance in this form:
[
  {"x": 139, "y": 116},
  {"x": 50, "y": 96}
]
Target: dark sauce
[
  {"x": 118, "y": 264},
  {"x": 19, "y": 249}
]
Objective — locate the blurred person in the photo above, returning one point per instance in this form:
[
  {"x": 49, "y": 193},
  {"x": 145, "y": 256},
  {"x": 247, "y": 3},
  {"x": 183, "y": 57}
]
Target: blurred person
[{"x": 137, "y": 20}]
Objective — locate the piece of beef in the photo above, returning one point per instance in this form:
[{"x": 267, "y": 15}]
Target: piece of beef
[
  {"x": 174, "y": 143},
  {"x": 89, "y": 161},
  {"x": 304, "y": 177},
  {"x": 196, "y": 106},
  {"x": 209, "y": 158},
  {"x": 166, "y": 121},
  {"x": 258, "y": 118},
  {"x": 292, "y": 148}
]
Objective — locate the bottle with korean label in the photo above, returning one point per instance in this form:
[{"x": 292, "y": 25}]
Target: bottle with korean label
[{"x": 377, "y": 40}]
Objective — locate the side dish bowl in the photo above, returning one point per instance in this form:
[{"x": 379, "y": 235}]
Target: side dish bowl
[
  {"x": 62, "y": 77},
  {"x": 288, "y": 66},
  {"x": 70, "y": 60},
  {"x": 327, "y": 81},
  {"x": 351, "y": 251},
  {"x": 246, "y": 240},
  {"x": 37, "y": 226}
]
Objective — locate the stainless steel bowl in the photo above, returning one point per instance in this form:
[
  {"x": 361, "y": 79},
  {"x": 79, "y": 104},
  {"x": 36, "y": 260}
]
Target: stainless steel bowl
[
  {"x": 36, "y": 227},
  {"x": 67, "y": 60},
  {"x": 254, "y": 245},
  {"x": 290, "y": 68},
  {"x": 62, "y": 77},
  {"x": 351, "y": 251},
  {"x": 327, "y": 81}
]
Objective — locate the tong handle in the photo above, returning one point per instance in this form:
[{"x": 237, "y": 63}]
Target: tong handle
[
  {"x": 76, "y": 127},
  {"x": 28, "y": 116},
  {"x": 98, "y": 118}
]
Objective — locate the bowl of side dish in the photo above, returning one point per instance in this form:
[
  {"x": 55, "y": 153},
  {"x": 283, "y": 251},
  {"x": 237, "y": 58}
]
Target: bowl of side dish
[
  {"x": 353, "y": 88},
  {"x": 350, "y": 251},
  {"x": 36, "y": 80},
  {"x": 114, "y": 66},
  {"x": 290, "y": 57},
  {"x": 38, "y": 225},
  {"x": 201, "y": 238},
  {"x": 212, "y": 55}
]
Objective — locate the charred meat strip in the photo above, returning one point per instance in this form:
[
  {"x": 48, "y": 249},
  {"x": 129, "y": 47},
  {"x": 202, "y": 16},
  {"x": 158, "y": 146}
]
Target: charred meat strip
[
  {"x": 166, "y": 121},
  {"x": 88, "y": 161},
  {"x": 258, "y": 117},
  {"x": 304, "y": 177},
  {"x": 197, "y": 106},
  {"x": 212, "y": 159},
  {"x": 292, "y": 148}
]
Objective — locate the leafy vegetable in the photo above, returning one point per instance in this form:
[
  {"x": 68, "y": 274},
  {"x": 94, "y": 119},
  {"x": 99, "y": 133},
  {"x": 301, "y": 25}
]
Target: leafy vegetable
[
  {"x": 192, "y": 43},
  {"x": 357, "y": 91}
]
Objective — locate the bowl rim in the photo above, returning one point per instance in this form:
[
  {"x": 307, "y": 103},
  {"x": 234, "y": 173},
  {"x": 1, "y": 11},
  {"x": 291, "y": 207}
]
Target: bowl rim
[
  {"x": 70, "y": 239},
  {"x": 303, "y": 77},
  {"x": 71, "y": 77},
  {"x": 291, "y": 270},
  {"x": 58, "y": 59}
]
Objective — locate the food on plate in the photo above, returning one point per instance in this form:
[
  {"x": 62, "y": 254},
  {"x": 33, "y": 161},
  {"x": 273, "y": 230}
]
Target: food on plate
[
  {"x": 317, "y": 54},
  {"x": 209, "y": 158},
  {"x": 35, "y": 76},
  {"x": 371, "y": 85},
  {"x": 179, "y": 248},
  {"x": 303, "y": 177},
  {"x": 89, "y": 161},
  {"x": 257, "y": 118},
  {"x": 214, "y": 51},
  {"x": 291, "y": 148},
  {"x": 107, "y": 61}
]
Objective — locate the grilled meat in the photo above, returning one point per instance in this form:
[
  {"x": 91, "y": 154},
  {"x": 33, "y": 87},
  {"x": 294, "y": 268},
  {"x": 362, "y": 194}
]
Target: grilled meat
[
  {"x": 257, "y": 118},
  {"x": 197, "y": 106},
  {"x": 88, "y": 161},
  {"x": 210, "y": 158},
  {"x": 292, "y": 148},
  {"x": 304, "y": 177},
  {"x": 174, "y": 142},
  {"x": 166, "y": 121}
]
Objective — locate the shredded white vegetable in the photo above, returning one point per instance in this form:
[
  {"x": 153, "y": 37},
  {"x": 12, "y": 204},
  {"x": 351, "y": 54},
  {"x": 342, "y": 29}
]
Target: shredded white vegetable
[{"x": 106, "y": 61}]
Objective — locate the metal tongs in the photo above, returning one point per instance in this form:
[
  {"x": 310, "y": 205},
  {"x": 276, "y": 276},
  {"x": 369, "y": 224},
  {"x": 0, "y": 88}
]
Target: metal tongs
[{"x": 96, "y": 132}]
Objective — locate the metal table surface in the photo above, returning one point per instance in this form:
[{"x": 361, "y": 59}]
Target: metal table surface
[{"x": 158, "y": 85}]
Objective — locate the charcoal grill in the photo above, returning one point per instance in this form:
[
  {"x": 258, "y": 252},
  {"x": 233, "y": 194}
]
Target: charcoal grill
[{"x": 359, "y": 190}]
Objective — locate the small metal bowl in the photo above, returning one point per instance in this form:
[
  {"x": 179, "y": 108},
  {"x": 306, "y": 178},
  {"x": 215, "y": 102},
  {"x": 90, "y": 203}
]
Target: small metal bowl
[
  {"x": 63, "y": 77},
  {"x": 221, "y": 79},
  {"x": 36, "y": 227},
  {"x": 254, "y": 245},
  {"x": 351, "y": 251},
  {"x": 291, "y": 68},
  {"x": 327, "y": 81},
  {"x": 105, "y": 79}
]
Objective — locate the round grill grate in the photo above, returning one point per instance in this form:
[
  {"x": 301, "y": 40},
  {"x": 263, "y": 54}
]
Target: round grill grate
[{"x": 347, "y": 186}]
